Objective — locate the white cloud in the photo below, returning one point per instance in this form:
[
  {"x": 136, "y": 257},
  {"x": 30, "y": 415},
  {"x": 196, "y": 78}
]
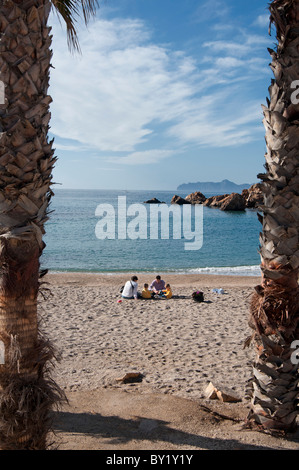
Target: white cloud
[
  {"x": 214, "y": 123},
  {"x": 108, "y": 168},
  {"x": 262, "y": 20},
  {"x": 70, "y": 148},
  {"x": 115, "y": 97},
  {"x": 250, "y": 44},
  {"x": 108, "y": 97},
  {"x": 146, "y": 157},
  {"x": 211, "y": 9},
  {"x": 228, "y": 62}
]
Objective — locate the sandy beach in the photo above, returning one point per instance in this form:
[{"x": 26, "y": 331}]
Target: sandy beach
[{"x": 178, "y": 346}]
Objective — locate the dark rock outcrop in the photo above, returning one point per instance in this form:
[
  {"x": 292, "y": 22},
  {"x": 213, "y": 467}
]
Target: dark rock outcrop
[
  {"x": 179, "y": 200},
  {"x": 215, "y": 201},
  {"x": 250, "y": 198},
  {"x": 233, "y": 202},
  {"x": 196, "y": 198},
  {"x": 154, "y": 201},
  {"x": 227, "y": 202},
  {"x": 253, "y": 196}
]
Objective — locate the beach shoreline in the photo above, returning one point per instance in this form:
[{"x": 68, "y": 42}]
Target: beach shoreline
[{"x": 94, "y": 278}]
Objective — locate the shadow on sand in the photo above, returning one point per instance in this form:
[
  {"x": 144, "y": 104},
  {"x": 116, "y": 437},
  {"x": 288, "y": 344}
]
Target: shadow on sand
[{"x": 114, "y": 430}]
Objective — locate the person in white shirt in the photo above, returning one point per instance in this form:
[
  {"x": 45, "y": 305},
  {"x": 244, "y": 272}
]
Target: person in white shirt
[{"x": 130, "y": 289}]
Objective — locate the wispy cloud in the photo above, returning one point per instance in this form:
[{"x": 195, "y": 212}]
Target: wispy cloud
[
  {"x": 262, "y": 20},
  {"x": 70, "y": 148},
  {"x": 112, "y": 168},
  {"x": 126, "y": 93},
  {"x": 211, "y": 9},
  {"x": 118, "y": 86},
  {"x": 245, "y": 46},
  {"x": 146, "y": 157},
  {"x": 214, "y": 123}
]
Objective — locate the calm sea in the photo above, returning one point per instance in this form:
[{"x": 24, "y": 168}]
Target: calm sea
[{"x": 230, "y": 239}]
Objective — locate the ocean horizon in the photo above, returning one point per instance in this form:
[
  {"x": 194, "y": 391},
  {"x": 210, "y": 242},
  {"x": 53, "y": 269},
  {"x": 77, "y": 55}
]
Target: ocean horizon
[{"x": 229, "y": 245}]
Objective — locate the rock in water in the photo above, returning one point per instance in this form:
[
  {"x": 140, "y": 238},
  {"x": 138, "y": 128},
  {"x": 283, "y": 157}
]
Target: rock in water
[
  {"x": 154, "y": 200},
  {"x": 253, "y": 196},
  {"x": 179, "y": 200},
  {"x": 196, "y": 198},
  {"x": 215, "y": 201},
  {"x": 233, "y": 202}
]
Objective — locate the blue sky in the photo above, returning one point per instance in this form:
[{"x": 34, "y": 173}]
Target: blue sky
[{"x": 164, "y": 92}]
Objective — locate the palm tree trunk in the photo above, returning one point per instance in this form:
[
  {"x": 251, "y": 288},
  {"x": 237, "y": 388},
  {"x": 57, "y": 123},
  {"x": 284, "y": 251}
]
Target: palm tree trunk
[
  {"x": 274, "y": 314},
  {"x": 27, "y": 392}
]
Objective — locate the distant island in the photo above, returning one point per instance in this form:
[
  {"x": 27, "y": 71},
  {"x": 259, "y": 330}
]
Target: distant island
[{"x": 222, "y": 187}]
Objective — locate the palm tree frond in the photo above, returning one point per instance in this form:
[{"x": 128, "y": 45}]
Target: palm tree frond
[
  {"x": 284, "y": 14},
  {"x": 69, "y": 10},
  {"x": 89, "y": 8}
]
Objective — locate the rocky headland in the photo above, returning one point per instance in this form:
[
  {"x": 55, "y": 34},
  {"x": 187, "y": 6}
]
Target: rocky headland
[{"x": 250, "y": 198}]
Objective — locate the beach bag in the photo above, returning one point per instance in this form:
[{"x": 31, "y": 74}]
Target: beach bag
[
  {"x": 198, "y": 296},
  {"x": 121, "y": 289}
]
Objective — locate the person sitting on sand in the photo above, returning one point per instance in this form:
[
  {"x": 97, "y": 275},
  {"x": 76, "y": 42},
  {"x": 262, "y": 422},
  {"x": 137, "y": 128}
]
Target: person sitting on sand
[
  {"x": 157, "y": 285},
  {"x": 167, "y": 292},
  {"x": 130, "y": 289},
  {"x": 146, "y": 294}
]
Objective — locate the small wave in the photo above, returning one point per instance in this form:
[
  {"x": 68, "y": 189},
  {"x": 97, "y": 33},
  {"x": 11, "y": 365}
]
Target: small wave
[
  {"x": 224, "y": 271},
  {"x": 229, "y": 270}
]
